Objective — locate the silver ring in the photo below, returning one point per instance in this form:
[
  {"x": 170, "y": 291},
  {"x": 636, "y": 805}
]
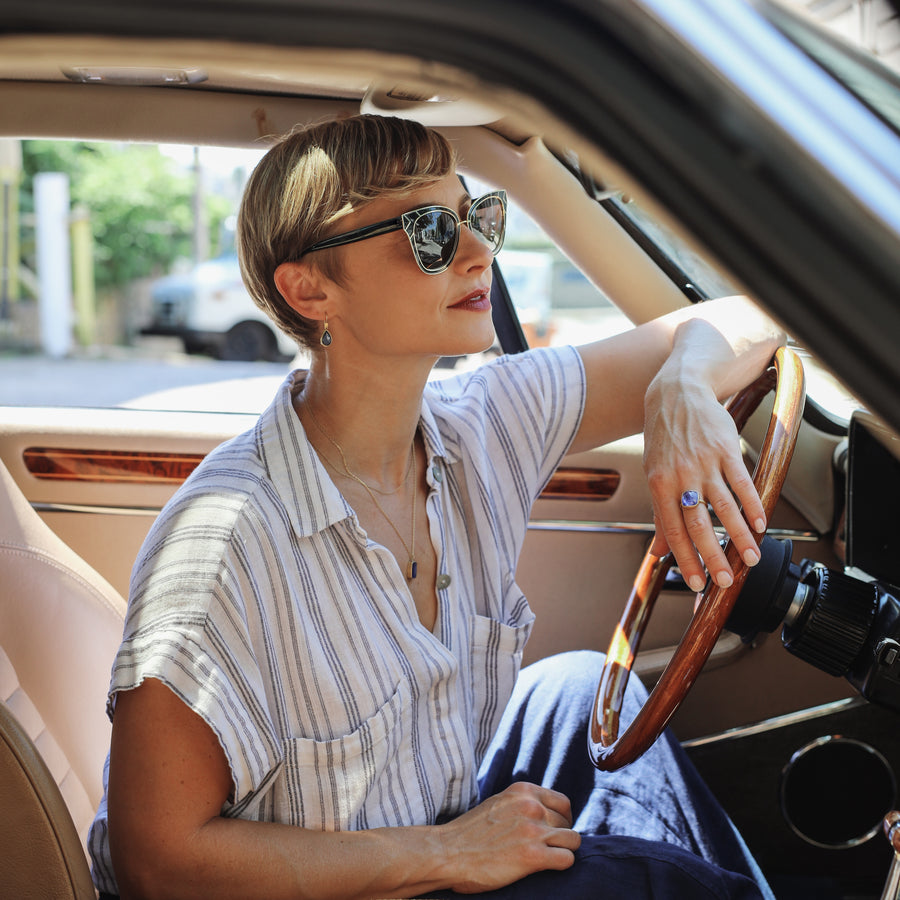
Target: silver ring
[{"x": 690, "y": 499}]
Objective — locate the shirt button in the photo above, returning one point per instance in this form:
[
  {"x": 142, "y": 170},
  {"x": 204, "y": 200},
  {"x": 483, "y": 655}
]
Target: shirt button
[
  {"x": 443, "y": 582},
  {"x": 437, "y": 474}
]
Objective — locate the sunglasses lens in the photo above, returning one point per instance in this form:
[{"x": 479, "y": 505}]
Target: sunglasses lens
[
  {"x": 488, "y": 218},
  {"x": 434, "y": 232},
  {"x": 435, "y": 238}
]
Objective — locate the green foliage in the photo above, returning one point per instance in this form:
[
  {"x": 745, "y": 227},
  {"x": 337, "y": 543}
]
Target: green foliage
[{"x": 138, "y": 199}]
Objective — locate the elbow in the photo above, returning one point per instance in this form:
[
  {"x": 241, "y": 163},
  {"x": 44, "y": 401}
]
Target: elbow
[
  {"x": 139, "y": 878},
  {"x": 145, "y": 872}
]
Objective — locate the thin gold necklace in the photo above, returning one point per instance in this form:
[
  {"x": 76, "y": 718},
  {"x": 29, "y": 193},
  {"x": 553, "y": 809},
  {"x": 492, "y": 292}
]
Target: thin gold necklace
[
  {"x": 411, "y": 566},
  {"x": 349, "y": 474}
]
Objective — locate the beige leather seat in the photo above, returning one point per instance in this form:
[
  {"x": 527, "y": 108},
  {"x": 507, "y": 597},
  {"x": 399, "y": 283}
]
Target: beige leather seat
[
  {"x": 60, "y": 627},
  {"x": 42, "y": 852}
]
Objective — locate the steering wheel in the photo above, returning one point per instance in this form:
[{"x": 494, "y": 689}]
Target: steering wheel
[{"x": 608, "y": 750}]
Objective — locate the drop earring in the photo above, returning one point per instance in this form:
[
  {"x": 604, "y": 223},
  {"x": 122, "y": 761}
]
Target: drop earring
[{"x": 326, "y": 338}]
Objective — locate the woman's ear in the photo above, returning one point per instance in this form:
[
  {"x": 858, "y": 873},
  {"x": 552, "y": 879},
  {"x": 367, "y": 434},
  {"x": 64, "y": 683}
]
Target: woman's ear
[{"x": 304, "y": 288}]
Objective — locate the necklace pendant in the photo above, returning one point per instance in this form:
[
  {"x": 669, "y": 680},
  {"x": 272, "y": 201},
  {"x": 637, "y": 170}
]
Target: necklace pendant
[{"x": 412, "y": 568}]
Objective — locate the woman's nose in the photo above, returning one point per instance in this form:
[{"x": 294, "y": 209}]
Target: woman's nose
[{"x": 474, "y": 249}]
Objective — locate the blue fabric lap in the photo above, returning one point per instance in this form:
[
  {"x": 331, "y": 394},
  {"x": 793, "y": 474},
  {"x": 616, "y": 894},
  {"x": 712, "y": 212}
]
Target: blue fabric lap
[
  {"x": 614, "y": 867},
  {"x": 652, "y": 829}
]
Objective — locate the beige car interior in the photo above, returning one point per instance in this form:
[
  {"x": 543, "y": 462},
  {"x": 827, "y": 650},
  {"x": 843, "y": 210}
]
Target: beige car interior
[
  {"x": 67, "y": 547},
  {"x": 54, "y": 734}
]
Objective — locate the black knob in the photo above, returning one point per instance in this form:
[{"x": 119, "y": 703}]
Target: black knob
[{"x": 831, "y": 628}]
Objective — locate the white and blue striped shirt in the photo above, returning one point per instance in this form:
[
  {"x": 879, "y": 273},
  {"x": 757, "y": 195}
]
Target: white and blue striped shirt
[{"x": 260, "y": 601}]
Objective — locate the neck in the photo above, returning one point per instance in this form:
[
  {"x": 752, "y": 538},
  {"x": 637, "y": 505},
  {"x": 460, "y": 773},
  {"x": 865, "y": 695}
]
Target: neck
[{"x": 363, "y": 436}]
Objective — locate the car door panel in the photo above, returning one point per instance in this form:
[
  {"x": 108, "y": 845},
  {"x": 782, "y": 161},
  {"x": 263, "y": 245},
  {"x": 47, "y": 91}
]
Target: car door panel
[{"x": 101, "y": 511}]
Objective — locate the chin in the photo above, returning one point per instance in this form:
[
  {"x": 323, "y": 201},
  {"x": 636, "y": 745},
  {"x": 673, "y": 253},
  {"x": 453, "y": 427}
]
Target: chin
[{"x": 470, "y": 348}]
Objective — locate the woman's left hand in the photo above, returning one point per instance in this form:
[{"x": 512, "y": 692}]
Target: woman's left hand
[
  {"x": 691, "y": 444},
  {"x": 668, "y": 378}
]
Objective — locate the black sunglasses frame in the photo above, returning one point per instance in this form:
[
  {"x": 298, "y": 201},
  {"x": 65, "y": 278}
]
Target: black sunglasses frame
[{"x": 407, "y": 223}]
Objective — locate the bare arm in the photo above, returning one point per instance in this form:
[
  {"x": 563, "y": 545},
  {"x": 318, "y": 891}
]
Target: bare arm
[
  {"x": 169, "y": 779},
  {"x": 668, "y": 377},
  {"x": 727, "y": 354}
]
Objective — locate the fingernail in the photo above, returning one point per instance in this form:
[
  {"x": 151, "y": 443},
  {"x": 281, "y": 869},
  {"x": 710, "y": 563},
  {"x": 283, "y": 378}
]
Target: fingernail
[
  {"x": 751, "y": 556},
  {"x": 759, "y": 526},
  {"x": 697, "y": 583},
  {"x": 724, "y": 580}
]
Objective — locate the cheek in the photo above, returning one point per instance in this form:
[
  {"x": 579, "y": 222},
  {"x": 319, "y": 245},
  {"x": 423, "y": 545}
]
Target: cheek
[
  {"x": 396, "y": 309},
  {"x": 382, "y": 256},
  {"x": 390, "y": 283}
]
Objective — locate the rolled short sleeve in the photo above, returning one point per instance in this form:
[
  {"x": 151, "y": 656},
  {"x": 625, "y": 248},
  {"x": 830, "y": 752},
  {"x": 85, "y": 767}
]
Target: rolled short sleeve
[
  {"x": 515, "y": 417},
  {"x": 187, "y": 626},
  {"x": 539, "y": 405}
]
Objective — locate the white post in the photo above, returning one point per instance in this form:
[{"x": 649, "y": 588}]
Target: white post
[{"x": 54, "y": 266}]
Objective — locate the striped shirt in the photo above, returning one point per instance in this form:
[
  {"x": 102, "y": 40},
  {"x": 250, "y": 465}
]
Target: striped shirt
[{"x": 262, "y": 603}]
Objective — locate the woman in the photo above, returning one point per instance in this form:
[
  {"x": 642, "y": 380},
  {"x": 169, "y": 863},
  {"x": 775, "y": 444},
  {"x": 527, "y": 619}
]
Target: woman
[{"x": 324, "y": 628}]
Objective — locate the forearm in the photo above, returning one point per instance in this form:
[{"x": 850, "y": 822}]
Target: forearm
[
  {"x": 524, "y": 829},
  {"x": 234, "y": 858},
  {"x": 723, "y": 344}
]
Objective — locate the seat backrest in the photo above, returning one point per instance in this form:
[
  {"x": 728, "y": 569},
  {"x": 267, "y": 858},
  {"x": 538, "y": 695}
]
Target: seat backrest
[
  {"x": 41, "y": 852},
  {"x": 60, "y": 627}
]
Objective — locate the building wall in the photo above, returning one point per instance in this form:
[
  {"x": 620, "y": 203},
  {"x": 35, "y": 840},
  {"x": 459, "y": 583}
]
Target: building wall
[{"x": 873, "y": 24}]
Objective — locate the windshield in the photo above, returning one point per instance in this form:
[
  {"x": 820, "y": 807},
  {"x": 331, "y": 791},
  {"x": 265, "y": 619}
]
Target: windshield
[{"x": 699, "y": 280}]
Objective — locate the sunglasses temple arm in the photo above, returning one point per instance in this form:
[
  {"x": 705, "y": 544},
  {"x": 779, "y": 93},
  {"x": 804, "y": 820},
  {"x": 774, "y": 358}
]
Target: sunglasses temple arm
[{"x": 360, "y": 234}]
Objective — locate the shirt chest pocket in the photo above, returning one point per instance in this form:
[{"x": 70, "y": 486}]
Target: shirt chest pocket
[
  {"x": 341, "y": 784},
  {"x": 495, "y": 651}
]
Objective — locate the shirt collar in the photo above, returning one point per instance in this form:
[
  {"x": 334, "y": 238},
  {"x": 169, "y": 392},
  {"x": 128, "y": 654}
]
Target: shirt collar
[
  {"x": 435, "y": 446},
  {"x": 311, "y": 498}
]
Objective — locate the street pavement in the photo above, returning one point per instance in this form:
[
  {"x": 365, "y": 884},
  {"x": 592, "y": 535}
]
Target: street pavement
[{"x": 175, "y": 381}]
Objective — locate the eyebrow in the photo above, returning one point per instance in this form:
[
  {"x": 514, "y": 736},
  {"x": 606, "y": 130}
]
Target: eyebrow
[
  {"x": 462, "y": 205},
  {"x": 462, "y": 197}
]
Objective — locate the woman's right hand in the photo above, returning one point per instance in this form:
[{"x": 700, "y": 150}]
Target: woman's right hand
[{"x": 522, "y": 830}]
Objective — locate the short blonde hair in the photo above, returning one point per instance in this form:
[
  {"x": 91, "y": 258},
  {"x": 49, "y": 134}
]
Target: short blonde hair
[{"x": 309, "y": 181}]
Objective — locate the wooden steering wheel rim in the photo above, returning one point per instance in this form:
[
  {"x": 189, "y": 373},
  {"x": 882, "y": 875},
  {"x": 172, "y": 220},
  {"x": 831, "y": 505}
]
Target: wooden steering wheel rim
[{"x": 606, "y": 748}]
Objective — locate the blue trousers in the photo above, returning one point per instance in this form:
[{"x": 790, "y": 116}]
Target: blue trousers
[{"x": 650, "y": 830}]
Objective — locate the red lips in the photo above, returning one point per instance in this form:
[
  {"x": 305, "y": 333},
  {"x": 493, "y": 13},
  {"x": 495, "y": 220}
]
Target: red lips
[{"x": 477, "y": 300}]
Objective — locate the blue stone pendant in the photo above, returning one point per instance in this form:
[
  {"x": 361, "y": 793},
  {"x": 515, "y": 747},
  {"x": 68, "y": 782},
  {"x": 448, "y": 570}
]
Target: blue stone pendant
[{"x": 412, "y": 568}]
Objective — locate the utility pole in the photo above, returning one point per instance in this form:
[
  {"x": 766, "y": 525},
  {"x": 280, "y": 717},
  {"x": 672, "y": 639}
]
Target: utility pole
[
  {"x": 54, "y": 262},
  {"x": 201, "y": 228}
]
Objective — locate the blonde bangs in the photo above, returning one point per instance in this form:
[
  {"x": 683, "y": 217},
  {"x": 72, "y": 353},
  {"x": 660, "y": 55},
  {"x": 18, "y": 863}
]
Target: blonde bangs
[{"x": 313, "y": 178}]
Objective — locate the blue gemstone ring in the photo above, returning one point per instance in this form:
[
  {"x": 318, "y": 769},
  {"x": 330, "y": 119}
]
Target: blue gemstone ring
[{"x": 690, "y": 499}]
